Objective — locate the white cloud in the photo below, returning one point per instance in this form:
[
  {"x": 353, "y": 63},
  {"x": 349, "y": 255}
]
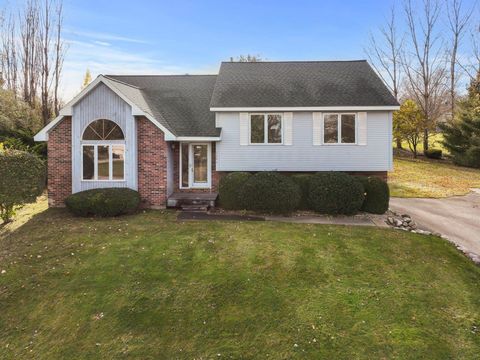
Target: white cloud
[
  {"x": 100, "y": 58},
  {"x": 103, "y": 36}
]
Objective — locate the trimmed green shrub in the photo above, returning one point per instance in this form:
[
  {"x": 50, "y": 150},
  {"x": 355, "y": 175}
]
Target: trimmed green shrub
[
  {"x": 433, "y": 153},
  {"x": 230, "y": 190},
  {"x": 271, "y": 192},
  {"x": 22, "y": 179},
  {"x": 336, "y": 193},
  {"x": 103, "y": 202},
  {"x": 303, "y": 182},
  {"x": 377, "y": 195}
]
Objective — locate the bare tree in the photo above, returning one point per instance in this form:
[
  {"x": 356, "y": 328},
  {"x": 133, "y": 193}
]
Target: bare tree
[
  {"x": 457, "y": 20},
  {"x": 471, "y": 66},
  {"x": 246, "y": 58},
  {"x": 424, "y": 62},
  {"x": 384, "y": 55},
  {"x": 59, "y": 56},
  {"x": 32, "y": 52}
]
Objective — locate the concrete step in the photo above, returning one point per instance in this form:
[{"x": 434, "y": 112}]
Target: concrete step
[{"x": 194, "y": 208}]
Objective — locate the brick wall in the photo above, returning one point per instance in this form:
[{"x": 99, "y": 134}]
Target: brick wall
[
  {"x": 176, "y": 178},
  {"x": 152, "y": 164},
  {"x": 59, "y": 166}
]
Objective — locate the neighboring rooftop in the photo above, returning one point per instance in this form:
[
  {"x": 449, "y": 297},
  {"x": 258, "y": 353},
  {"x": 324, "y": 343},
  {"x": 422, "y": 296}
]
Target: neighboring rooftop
[
  {"x": 179, "y": 102},
  {"x": 299, "y": 84}
]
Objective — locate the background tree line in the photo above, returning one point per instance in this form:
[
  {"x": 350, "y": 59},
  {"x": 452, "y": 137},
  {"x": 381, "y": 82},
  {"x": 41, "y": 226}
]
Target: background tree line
[
  {"x": 32, "y": 51},
  {"x": 426, "y": 52}
]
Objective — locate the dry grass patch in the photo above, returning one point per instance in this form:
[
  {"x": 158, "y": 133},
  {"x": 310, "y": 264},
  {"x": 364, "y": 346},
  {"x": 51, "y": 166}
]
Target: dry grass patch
[{"x": 430, "y": 178}]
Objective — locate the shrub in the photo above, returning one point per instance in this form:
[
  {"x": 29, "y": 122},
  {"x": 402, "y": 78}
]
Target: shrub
[
  {"x": 377, "y": 195},
  {"x": 103, "y": 202},
  {"x": 303, "y": 182},
  {"x": 335, "y": 193},
  {"x": 231, "y": 190},
  {"x": 271, "y": 192},
  {"x": 433, "y": 153},
  {"x": 22, "y": 179}
]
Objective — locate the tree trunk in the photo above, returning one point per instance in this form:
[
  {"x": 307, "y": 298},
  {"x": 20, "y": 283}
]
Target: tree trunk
[
  {"x": 399, "y": 143},
  {"x": 425, "y": 140}
]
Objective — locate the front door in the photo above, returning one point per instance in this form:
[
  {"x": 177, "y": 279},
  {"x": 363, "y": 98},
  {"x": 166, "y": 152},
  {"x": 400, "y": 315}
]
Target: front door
[{"x": 195, "y": 162}]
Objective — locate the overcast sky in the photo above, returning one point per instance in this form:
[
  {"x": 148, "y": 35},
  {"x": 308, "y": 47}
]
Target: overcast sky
[{"x": 178, "y": 37}]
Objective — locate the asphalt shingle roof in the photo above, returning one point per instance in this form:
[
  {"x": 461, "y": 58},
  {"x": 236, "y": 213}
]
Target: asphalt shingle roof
[
  {"x": 299, "y": 84},
  {"x": 182, "y": 103},
  {"x": 179, "y": 102}
]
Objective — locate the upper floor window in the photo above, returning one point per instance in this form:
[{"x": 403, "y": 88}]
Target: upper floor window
[
  {"x": 103, "y": 152},
  {"x": 265, "y": 128},
  {"x": 339, "y": 129},
  {"x": 103, "y": 130}
]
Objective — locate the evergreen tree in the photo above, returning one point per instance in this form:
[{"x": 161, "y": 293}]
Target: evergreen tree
[{"x": 462, "y": 136}]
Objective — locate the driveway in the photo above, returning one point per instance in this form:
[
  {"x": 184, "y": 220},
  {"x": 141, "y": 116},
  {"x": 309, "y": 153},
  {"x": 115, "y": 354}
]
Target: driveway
[{"x": 458, "y": 218}]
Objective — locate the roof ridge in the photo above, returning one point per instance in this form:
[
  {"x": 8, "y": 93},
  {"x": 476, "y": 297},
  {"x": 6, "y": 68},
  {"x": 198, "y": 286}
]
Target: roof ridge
[
  {"x": 160, "y": 75},
  {"x": 292, "y": 61},
  {"x": 121, "y": 82}
]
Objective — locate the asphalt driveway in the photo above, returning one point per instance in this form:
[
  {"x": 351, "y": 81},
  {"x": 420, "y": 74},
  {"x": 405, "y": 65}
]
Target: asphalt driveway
[{"x": 458, "y": 218}]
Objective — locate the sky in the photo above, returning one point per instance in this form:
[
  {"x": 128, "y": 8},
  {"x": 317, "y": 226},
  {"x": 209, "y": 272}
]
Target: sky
[{"x": 180, "y": 36}]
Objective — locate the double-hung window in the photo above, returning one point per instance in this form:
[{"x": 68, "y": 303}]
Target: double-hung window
[
  {"x": 339, "y": 128},
  {"x": 266, "y": 129},
  {"x": 103, "y": 152}
]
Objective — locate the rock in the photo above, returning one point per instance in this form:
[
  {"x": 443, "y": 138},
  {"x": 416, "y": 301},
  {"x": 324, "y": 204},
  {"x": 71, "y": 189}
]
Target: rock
[
  {"x": 405, "y": 216},
  {"x": 405, "y": 224},
  {"x": 407, "y": 220},
  {"x": 413, "y": 225},
  {"x": 390, "y": 220},
  {"x": 398, "y": 222}
]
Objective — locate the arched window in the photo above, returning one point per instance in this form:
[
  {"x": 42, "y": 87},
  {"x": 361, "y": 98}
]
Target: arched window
[
  {"x": 103, "y": 130},
  {"x": 103, "y": 152}
]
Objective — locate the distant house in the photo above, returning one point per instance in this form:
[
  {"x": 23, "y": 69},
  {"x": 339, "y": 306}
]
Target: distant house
[{"x": 169, "y": 135}]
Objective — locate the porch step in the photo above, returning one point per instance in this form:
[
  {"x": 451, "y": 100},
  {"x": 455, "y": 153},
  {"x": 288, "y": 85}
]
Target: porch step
[
  {"x": 195, "y": 208},
  {"x": 179, "y": 200}
]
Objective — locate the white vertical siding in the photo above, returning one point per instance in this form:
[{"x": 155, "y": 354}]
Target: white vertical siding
[
  {"x": 303, "y": 155},
  {"x": 103, "y": 103}
]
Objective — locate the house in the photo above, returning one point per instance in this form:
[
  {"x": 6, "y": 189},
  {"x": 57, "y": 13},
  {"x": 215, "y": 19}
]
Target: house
[{"x": 170, "y": 135}]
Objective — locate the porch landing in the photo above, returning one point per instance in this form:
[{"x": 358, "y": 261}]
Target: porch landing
[{"x": 179, "y": 199}]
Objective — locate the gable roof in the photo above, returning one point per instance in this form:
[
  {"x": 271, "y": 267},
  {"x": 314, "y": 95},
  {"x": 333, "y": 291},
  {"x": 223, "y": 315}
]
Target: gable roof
[
  {"x": 178, "y": 102},
  {"x": 299, "y": 84}
]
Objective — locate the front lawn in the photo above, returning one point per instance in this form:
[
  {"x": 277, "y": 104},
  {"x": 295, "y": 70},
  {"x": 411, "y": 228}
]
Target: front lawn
[
  {"x": 148, "y": 287},
  {"x": 429, "y": 178}
]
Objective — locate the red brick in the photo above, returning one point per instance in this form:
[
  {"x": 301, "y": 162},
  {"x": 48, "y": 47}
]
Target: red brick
[{"x": 59, "y": 149}]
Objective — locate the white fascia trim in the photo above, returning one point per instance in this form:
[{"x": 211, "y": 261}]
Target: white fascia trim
[
  {"x": 308, "y": 108},
  {"x": 42, "y": 135},
  {"x": 198, "y": 138}
]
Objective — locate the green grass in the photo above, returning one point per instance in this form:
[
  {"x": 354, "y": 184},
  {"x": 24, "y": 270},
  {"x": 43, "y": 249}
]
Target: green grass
[
  {"x": 429, "y": 178},
  {"x": 148, "y": 287}
]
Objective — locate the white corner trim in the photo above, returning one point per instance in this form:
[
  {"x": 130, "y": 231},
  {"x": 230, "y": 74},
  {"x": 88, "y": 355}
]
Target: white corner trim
[
  {"x": 307, "y": 108},
  {"x": 42, "y": 135}
]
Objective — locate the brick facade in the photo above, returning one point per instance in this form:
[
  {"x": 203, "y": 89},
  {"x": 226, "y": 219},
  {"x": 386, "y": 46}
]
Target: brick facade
[
  {"x": 176, "y": 176},
  {"x": 59, "y": 165},
  {"x": 152, "y": 164}
]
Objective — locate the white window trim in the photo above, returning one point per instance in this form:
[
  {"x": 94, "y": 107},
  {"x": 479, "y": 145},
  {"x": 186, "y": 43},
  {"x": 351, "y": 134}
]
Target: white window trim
[
  {"x": 96, "y": 144},
  {"x": 339, "y": 129},
  {"x": 191, "y": 185},
  {"x": 265, "y": 129}
]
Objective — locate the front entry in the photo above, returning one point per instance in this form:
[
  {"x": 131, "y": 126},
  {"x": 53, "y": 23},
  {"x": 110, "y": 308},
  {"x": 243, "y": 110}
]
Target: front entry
[{"x": 195, "y": 165}]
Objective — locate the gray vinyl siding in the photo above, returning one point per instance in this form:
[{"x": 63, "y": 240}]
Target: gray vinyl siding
[
  {"x": 302, "y": 155},
  {"x": 103, "y": 103}
]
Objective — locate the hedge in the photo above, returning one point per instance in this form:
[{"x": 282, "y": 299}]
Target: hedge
[
  {"x": 303, "y": 182},
  {"x": 230, "y": 190},
  {"x": 377, "y": 195},
  {"x": 335, "y": 193},
  {"x": 103, "y": 202},
  {"x": 271, "y": 192},
  {"x": 433, "y": 153},
  {"x": 22, "y": 179}
]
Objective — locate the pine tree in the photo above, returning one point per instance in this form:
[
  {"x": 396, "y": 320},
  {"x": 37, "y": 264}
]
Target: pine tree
[
  {"x": 462, "y": 136},
  {"x": 87, "y": 79}
]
